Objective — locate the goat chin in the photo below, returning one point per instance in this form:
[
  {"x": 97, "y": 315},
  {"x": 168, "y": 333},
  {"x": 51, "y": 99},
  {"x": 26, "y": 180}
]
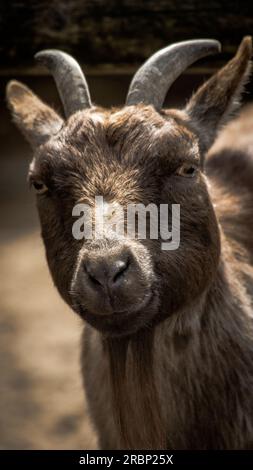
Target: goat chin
[{"x": 120, "y": 324}]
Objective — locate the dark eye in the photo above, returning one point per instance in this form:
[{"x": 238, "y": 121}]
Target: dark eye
[
  {"x": 39, "y": 187},
  {"x": 187, "y": 170}
]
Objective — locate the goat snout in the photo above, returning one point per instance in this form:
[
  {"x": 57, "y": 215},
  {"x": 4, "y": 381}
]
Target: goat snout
[
  {"x": 114, "y": 279},
  {"x": 114, "y": 285},
  {"x": 108, "y": 274},
  {"x": 106, "y": 278}
]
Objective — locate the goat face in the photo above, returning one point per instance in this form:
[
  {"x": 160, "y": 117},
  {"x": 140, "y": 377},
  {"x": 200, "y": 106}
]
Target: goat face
[
  {"x": 138, "y": 154},
  {"x": 130, "y": 156}
]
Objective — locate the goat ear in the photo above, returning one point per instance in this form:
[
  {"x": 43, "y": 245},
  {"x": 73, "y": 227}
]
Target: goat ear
[
  {"x": 37, "y": 121},
  {"x": 214, "y": 102}
]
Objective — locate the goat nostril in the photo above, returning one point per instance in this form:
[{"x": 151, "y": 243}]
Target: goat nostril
[
  {"x": 91, "y": 277},
  {"x": 122, "y": 267},
  {"x": 94, "y": 280}
]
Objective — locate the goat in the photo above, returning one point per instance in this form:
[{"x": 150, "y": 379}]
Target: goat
[{"x": 167, "y": 350}]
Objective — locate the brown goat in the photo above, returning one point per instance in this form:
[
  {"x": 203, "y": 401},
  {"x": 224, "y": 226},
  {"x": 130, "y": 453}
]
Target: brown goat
[{"x": 167, "y": 353}]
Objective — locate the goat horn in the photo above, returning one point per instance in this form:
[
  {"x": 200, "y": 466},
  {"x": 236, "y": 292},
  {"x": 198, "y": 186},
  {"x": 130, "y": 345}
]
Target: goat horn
[
  {"x": 69, "y": 79},
  {"x": 152, "y": 81}
]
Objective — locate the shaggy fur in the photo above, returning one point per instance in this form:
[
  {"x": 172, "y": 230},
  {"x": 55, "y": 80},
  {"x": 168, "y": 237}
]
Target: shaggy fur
[{"x": 168, "y": 361}]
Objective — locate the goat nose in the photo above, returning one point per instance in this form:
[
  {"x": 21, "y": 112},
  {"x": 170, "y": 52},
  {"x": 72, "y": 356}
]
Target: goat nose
[{"x": 106, "y": 273}]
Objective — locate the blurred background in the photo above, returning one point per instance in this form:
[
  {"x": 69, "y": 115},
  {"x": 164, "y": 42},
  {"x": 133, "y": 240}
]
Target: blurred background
[{"x": 42, "y": 405}]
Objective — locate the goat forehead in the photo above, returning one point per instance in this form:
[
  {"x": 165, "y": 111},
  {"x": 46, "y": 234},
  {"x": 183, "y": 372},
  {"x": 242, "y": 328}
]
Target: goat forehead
[
  {"x": 120, "y": 143},
  {"x": 130, "y": 127}
]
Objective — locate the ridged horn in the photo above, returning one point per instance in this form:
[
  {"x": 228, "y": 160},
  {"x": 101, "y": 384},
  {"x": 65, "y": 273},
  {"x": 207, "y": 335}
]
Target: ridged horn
[
  {"x": 154, "y": 78},
  {"x": 69, "y": 78}
]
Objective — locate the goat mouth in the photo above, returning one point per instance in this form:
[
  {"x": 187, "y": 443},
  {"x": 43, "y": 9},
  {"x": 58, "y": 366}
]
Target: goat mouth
[
  {"x": 135, "y": 308},
  {"x": 122, "y": 322}
]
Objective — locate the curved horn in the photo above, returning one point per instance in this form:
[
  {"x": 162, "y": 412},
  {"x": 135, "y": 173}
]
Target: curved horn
[
  {"x": 69, "y": 79},
  {"x": 152, "y": 81}
]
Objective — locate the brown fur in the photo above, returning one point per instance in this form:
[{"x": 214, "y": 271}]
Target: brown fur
[{"x": 175, "y": 369}]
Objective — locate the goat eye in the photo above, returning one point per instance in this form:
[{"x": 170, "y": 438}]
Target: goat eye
[
  {"x": 40, "y": 187},
  {"x": 187, "y": 170}
]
